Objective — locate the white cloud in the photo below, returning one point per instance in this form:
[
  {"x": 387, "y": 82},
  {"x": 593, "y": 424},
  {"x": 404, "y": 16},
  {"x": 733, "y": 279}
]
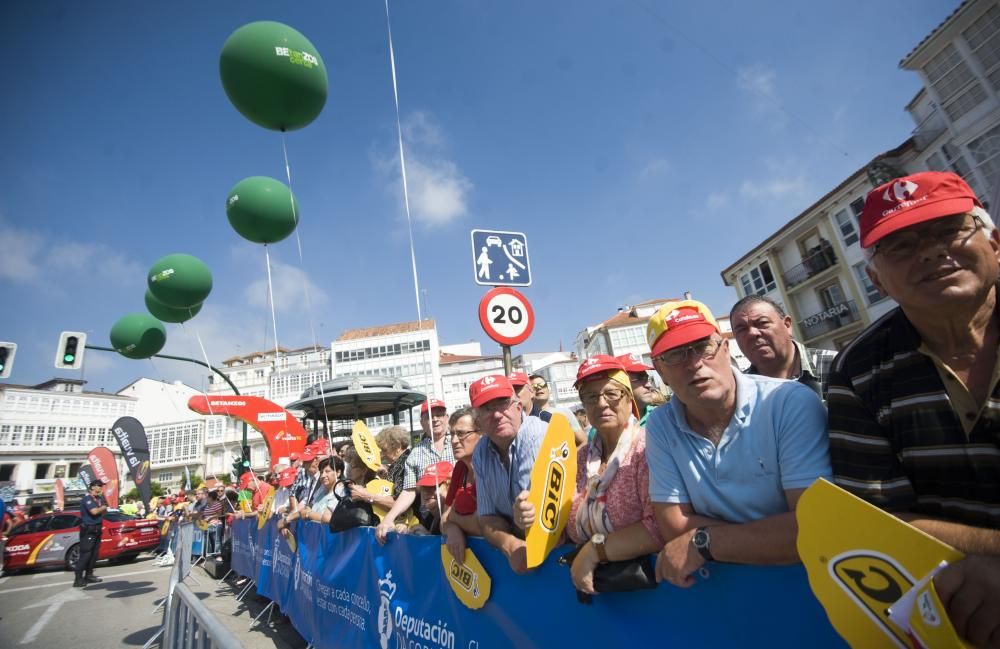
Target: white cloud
[
  {"x": 717, "y": 200},
  {"x": 774, "y": 188},
  {"x": 18, "y": 262},
  {"x": 289, "y": 286},
  {"x": 438, "y": 190},
  {"x": 655, "y": 168},
  {"x": 95, "y": 260},
  {"x": 758, "y": 82}
]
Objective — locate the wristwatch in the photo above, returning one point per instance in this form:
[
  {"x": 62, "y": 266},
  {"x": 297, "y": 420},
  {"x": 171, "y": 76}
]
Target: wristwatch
[
  {"x": 597, "y": 541},
  {"x": 702, "y": 542}
]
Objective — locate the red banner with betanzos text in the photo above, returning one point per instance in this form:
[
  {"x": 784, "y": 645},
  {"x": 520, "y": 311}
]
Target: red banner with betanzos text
[{"x": 281, "y": 430}]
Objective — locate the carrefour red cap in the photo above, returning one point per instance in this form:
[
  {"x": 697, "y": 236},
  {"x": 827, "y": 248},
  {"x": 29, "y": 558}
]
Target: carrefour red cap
[
  {"x": 430, "y": 404},
  {"x": 632, "y": 363},
  {"x": 914, "y": 199},
  {"x": 596, "y": 367},
  {"x": 293, "y": 456},
  {"x": 287, "y": 477},
  {"x": 517, "y": 379},
  {"x": 308, "y": 455},
  {"x": 488, "y": 388},
  {"x": 435, "y": 474},
  {"x": 678, "y": 323}
]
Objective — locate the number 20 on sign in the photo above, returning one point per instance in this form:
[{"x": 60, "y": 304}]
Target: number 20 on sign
[{"x": 506, "y": 316}]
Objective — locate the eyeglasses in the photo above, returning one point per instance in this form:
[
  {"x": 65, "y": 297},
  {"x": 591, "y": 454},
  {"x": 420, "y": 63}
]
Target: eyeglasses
[
  {"x": 702, "y": 349},
  {"x": 539, "y": 386},
  {"x": 639, "y": 379},
  {"x": 950, "y": 230},
  {"x": 496, "y": 405},
  {"x": 611, "y": 395},
  {"x": 463, "y": 435}
]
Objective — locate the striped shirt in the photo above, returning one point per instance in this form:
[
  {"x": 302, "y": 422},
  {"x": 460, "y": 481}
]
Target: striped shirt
[
  {"x": 496, "y": 486},
  {"x": 897, "y": 436},
  {"x": 422, "y": 456}
]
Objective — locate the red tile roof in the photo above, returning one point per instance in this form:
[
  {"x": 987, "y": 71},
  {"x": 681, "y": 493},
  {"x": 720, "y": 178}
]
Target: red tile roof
[
  {"x": 459, "y": 358},
  {"x": 387, "y": 330}
]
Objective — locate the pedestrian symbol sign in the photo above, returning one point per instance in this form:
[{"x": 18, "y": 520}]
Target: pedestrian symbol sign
[{"x": 500, "y": 258}]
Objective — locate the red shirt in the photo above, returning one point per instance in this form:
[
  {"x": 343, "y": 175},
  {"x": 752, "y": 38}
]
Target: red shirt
[{"x": 461, "y": 496}]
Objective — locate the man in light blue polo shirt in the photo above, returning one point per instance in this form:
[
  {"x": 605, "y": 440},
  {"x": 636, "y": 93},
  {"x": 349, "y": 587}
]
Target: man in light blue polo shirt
[
  {"x": 729, "y": 455},
  {"x": 502, "y": 462}
]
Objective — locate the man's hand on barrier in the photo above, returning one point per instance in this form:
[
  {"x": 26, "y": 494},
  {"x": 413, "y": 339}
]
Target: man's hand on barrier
[
  {"x": 678, "y": 560},
  {"x": 517, "y": 556},
  {"x": 456, "y": 541},
  {"x": 382, "y": 531}
]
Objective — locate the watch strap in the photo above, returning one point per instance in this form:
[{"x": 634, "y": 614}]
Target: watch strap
[
  {"x": 704, "y": 550},
  {"x": 602, "y": 553}
]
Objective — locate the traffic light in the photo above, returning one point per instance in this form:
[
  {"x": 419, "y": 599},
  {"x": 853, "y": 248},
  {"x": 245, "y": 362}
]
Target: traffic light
[
  {"x": 242, "y": 464},
  {"x": 69, "y": 353},
  {"x": 7, "y": 351}
]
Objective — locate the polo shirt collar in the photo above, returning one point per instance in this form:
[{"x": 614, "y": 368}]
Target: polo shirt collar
[{"x": 746, "y": 394}]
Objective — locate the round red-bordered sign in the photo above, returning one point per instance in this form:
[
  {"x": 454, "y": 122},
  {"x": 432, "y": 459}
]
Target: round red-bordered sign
[{"x": 506, "y": 316}]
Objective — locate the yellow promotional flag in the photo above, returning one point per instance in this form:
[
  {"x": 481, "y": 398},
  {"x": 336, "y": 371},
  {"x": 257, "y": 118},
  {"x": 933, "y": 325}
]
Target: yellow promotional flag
[
  {"x": 265, "y": 512},
  {"x": 379, "y": 487},
  {"x": 364, "y": 444},
  {"x": 553, "y": 483},
  {"x": 861, "y": 561},
  {"x": 468, "y": 579}
]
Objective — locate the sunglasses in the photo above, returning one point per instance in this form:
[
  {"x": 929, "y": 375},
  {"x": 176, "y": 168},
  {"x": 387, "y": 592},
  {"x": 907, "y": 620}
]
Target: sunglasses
[{"x": 539, "y": 386}]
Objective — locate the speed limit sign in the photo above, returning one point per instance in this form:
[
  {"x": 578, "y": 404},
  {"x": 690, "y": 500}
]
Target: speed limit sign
[{"x": 506, "y": 316}]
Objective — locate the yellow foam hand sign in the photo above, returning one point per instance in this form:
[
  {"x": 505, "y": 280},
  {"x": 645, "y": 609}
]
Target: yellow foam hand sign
[
  {"x": 468, "y": 579},
  {"x": 553, "y": 484},
  {"x": 265, "y": 512},
  {"x": 364, "y": 444},
  {"x": 862, "y": 560},
  {"x": 379, "y": 488}
]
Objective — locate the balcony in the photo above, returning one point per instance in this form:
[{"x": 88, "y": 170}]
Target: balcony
[
  {"x": 929, "y": 130},
  {"x": 815, "y": 262},
  {"x": 830, "y": 319}
]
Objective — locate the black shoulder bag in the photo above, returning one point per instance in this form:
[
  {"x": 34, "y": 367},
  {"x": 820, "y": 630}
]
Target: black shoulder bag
[{"x": 351, "y": 513}]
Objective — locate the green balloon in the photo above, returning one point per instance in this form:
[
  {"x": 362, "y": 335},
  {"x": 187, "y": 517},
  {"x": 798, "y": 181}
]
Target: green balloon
[
  {"x": 262, "y": 209},
  {"x": 273, "y": 75},
  {"x": 165, "y": 313},
  {"x": 179, "y": 280},
  {"x": 138, "y": 335}
]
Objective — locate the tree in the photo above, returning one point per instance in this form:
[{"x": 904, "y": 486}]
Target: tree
[{"x": 155, "y": 487}]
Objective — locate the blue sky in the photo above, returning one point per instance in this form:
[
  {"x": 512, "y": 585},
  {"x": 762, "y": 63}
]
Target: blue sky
[{"x": 642, "y": 147}]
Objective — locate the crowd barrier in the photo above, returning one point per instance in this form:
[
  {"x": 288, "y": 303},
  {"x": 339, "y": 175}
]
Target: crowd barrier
[{"x": 344, "y": 590}]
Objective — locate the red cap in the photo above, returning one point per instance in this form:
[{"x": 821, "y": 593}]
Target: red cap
[
  {"x": 245, "y": 480},
  {"x": 432, "y": 403},
  {"x": 517, "y": 379},
  {"x": 914, "y": 199},
  {"x": 596, "y": 366},
  {"x": 632, "y": 363},
  {"x": 320, "y": 445},
  {"x": 678, "y": 323},
  {"x": 293, "y": 456},
  {"x": 435, "y": 474},
  {"x": 308, "y": 455},
  {"x": 287, "y": 477},
  {"x": 488, "y": 388},
  {"x": 181, "y": 494}
]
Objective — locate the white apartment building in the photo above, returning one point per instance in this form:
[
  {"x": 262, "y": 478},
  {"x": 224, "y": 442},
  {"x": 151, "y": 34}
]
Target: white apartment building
[
  {"x": 813, "y": 265},
  {"x": 622, "y": 333},
  {"x": 256, "y": 374},
  {"x": 461, "y": 365},
  {"x": 406, "y": 350}
]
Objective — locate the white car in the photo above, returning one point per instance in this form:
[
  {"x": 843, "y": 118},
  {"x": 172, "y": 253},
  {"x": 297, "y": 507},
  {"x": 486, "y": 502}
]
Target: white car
[{"x": 494, "y": 241}]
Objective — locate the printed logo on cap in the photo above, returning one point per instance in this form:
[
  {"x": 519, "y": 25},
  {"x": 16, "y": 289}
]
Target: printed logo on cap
[
  {"x": 676, "y": 318},
  {"x": 589, "y": 362},
  {"x": 634, "y": 358},
  {"x": 489, "y": 380},
  {"x": 901, "y": 190}
]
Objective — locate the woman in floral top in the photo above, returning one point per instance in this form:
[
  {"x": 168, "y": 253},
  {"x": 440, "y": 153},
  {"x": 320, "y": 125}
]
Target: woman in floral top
[{"x": 612, "y": 515}]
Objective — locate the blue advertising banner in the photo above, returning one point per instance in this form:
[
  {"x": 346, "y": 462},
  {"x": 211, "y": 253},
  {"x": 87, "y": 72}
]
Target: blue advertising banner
[{"x": 344, "y": 590}]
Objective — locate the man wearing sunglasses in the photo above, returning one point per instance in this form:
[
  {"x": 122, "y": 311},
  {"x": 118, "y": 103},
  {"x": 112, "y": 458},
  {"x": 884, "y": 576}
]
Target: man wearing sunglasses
[
  {"x": 729, "y": 454},
  {"x": 915, "y": 399},
  {"x": 543, "y": 408}
]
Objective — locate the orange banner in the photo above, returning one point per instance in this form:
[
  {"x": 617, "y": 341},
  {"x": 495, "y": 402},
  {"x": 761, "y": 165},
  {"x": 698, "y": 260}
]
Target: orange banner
[{"x": 281, "y": 430}]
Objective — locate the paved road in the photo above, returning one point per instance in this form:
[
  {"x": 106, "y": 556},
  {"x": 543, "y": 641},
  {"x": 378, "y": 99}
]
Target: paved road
[{"x": 42, "y": 609}]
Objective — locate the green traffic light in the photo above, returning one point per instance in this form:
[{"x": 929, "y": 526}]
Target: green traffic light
[{"x": 69, "y": 358}]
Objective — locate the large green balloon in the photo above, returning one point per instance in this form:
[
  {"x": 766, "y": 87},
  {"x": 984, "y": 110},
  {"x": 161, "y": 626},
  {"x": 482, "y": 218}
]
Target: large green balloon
[
  {"x": 179, "y": 280},
  {"x": 138, "y": 335},
  {"x": 273, "y": 75},
  {"x": 165, "y": 313},
  {"x": 262, "y": 209}
]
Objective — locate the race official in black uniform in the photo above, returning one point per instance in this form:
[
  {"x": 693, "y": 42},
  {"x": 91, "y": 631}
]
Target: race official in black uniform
[{"x": 92, "y": 509}]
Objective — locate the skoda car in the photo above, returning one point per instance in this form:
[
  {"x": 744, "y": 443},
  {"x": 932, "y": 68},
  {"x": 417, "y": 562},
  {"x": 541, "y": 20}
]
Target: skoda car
[{"x": 53, "y": 540}]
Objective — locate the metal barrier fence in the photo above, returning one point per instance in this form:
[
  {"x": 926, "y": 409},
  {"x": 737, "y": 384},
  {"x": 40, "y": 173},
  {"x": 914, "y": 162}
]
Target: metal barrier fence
[{"x": 190, "y": 624}]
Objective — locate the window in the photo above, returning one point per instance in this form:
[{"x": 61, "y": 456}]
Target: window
[
  {"x": 166, "y": 476},
  {"x": 983, "y": 38},
  {"x": 758, "y": 281},
  {"x": 872, "y": 294},
  {"x": 64, "y": 522},
  {"x": 848, "y": 233},
  {"x": 952, "y": 79},
  {"x": 985, "y": 150}
]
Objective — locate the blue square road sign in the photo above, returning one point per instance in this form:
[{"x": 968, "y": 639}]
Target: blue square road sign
[{"x": 500, "y": 258}]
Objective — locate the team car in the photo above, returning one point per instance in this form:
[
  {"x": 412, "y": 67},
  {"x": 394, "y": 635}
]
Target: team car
[{"x": 53, "y": 540}]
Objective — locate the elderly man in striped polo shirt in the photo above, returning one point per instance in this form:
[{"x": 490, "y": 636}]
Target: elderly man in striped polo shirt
[
  {"x": 502, "y": 463},
  {"x": 914, "y": 400}
]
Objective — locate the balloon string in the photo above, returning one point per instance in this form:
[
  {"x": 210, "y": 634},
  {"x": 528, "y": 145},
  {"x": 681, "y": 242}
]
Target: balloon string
[
  {"x": 270, "y": 298},
  {"x": 402, "y": 162},
  {"x": 302, "y": 267}
]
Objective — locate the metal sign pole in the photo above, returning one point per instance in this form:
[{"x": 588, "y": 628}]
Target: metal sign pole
[{"x": 507, "y": 369}]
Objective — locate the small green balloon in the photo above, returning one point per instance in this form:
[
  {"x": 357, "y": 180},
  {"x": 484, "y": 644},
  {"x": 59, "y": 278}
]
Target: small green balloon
[
  {"x": 180, "y": 281},
  {"x": 273, "y": 75},
  {"x": 138, "y": 335},
  {"x": 262, "y": 209},
  {"x": 165, "y": 313}
]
